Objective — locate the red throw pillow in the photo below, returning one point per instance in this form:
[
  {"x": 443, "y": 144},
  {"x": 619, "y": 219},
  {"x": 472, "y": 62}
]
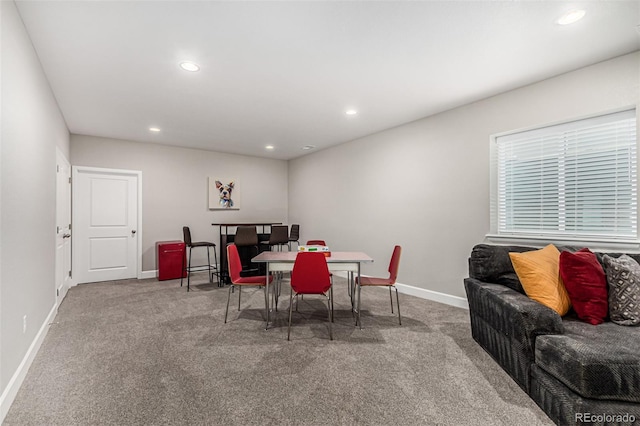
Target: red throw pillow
[{"x": 586, "y": 284}]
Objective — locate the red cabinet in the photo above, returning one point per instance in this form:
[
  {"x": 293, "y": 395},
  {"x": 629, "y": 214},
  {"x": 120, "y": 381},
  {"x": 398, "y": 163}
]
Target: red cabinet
[{"x": 171, "y": 255}]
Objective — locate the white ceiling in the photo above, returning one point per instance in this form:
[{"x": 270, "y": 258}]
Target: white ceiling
[{"x": 283, "y": 73}]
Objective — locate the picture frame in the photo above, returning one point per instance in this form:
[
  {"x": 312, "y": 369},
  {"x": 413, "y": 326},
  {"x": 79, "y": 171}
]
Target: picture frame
[{"x": 224, "y": 194}]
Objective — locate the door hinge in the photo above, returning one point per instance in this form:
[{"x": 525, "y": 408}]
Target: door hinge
[
  {"x": 57, "y": 229},
  {"x": 69, "y": 274},
  {"x": 69, "y": 227},
  {"x": 69, "y": 180},
  {"x": 57, "y": 168}
]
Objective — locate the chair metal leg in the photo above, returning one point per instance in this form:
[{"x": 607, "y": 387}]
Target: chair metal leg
[
  {"x": 226, "y": 312},
  {"x": 239, "y": 296},
  {"x": 331, "y": 293},
  {"x": 351, "y": 288},
  {"x": 209, "y": 264},
  {"x": 290, "y": 312},
  {"x": 398, "y": 301},
  {"x": 358, "y": 322},
  {"x": 189, "y": 271},
  {"x": 184, "y": 256},
  {"x": 329, "y": 297},
  {"x": 217, "y": 270},
  {"x": 391, "y": 298},
  {"x": 330, "y": 311},
  {"x": 266, "y": 305},
  {"x": 275, "y": 295}
]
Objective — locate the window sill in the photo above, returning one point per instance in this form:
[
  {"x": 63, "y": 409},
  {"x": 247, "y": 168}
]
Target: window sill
[{"x": 594, "y": 244}]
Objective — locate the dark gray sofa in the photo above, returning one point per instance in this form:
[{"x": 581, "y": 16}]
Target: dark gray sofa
[{"x": 576, "y": 372}]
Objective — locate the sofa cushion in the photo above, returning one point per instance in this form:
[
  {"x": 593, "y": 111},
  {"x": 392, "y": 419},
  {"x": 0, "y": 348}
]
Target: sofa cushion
[
  {"x": 623, "y": 276},
  {"x": 586, "y": 284},
  {"x": 539, "y": 274},
  {"x": 491, "y": 264},
  {"x": 599, "y": 362}
]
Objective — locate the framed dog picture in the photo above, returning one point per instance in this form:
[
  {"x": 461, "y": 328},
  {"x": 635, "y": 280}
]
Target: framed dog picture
[{"x": 223, "y": 194}]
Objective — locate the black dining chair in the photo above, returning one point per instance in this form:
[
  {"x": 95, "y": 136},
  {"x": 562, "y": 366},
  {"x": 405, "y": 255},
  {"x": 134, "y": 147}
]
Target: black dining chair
[
  {"x": 278, "y": 238},
  {"x": 294, "y": 235}
]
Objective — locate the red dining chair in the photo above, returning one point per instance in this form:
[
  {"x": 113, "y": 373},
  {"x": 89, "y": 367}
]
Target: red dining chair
[
  {"x": 235, "y": 266},
  {"x": 320, "y": 243},
  {"x": 394, "y": 264},
  {"x": 310, "y": 275}
]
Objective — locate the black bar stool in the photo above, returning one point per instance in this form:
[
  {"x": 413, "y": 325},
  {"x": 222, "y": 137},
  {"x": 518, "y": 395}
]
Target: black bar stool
[{"x": 186, "y": 232}]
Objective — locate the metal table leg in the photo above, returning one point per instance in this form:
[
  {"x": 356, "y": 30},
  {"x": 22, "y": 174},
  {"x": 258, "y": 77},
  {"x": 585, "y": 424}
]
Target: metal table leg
[{"x": 268, "y": 298}]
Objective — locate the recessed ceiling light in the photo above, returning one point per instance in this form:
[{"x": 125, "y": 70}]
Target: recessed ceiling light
[
  {"x": 308, "y": 147},
  {"x": 189, "y": 66},
  {"x": 154, "y": 129},
  {"x": 269, "y": 147},
  {"x": 571, "y": 16},
  {"x": 351, "y": 112}
]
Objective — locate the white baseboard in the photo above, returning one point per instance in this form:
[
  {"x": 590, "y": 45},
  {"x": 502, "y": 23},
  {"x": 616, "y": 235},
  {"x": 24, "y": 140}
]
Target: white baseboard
[
  {"x": 151, "y": 274},
  {"x": 436, "y": 296},
  {"x": 447, "y": 299},
  {"x": 148, "y": 274},
  {"x": 10, "y": 392}
]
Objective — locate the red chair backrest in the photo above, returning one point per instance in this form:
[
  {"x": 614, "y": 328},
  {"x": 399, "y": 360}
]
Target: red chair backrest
[
  {"x": 235, "y": 265},
  {"x": 394, "y": 264},
  {"x": 316, "y": 243},
  {"x": 310, "y": 274}
]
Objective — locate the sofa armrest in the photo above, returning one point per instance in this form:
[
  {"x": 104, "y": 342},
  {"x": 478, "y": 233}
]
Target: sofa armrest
[{"x": 510, "y": 313}]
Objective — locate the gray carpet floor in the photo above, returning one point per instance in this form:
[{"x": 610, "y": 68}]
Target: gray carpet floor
[{"x": 149, "y": 353}]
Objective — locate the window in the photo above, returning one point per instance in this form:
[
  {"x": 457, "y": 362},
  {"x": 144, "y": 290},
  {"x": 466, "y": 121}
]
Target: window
[{"x": 575, "y": 181}]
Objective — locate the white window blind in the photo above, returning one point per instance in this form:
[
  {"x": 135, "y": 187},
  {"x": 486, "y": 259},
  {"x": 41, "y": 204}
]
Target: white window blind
[{"x": 575, "y": 180}]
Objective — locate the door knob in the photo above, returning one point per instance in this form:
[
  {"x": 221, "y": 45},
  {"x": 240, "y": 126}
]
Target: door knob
[
  {"x": 66, "y": 235},
  {"x": 133, "y": 231}
]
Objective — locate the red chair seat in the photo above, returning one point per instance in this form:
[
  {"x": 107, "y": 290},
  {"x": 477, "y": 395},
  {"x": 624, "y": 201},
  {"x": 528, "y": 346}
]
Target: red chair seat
[
  {"x": 375, "y": 281},
  {"x": 254, "y": 280}
]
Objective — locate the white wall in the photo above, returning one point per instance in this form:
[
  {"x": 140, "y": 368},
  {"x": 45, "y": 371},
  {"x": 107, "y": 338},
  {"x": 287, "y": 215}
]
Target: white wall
[
  {"x": 174, "y": 187},
  {"x": 32, "y": 127},
  {"x": 425, "y": 185}
]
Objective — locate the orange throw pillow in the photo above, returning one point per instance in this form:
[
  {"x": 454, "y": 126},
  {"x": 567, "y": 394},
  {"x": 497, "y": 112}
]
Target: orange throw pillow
[{"x": 539, "y": 274}]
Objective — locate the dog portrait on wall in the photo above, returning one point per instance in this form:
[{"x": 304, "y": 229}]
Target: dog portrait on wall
[{"x": 223, "y": 194}]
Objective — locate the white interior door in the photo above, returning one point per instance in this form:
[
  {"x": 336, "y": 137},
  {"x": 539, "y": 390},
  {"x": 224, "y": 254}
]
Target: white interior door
[
  {"x": 105, "y": 220},
  {"x": 63, "y": 226}
]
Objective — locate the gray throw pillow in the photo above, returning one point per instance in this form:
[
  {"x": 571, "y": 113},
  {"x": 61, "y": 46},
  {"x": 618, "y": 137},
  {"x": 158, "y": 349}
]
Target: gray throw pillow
[{"x": 623, "y": 277}]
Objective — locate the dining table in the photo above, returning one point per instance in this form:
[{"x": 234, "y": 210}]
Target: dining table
[{"x": 337, "y": 261}]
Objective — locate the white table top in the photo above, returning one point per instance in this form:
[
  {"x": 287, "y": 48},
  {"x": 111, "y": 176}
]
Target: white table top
[{"x": 290, "y": 256}]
